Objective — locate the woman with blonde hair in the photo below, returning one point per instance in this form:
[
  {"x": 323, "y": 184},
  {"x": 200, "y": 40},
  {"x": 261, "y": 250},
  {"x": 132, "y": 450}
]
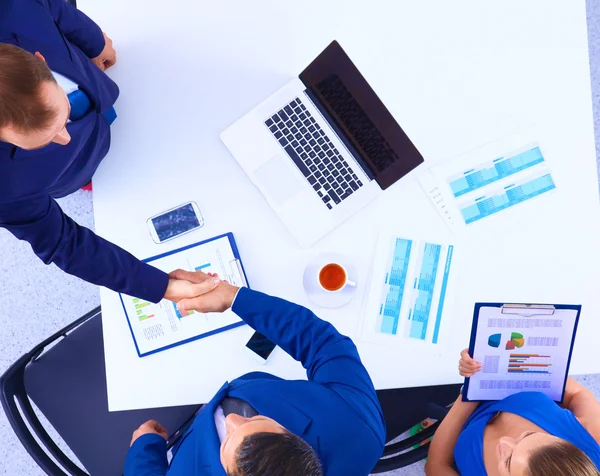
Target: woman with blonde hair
[{"x": 526, "y": 434}]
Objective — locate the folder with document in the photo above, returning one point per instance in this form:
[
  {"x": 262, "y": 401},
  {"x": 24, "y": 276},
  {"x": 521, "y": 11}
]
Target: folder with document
[{"x": 522, "y": 348}]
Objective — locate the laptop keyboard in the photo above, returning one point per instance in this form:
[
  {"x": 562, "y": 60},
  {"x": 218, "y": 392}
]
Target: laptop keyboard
[
  {"x": 313, "y": 153},
  {"x": 356, "y": 121}
]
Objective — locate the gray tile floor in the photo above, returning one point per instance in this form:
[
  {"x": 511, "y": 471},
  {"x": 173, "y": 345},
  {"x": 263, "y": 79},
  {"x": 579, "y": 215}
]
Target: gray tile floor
[{"x": 37, "y": 300}]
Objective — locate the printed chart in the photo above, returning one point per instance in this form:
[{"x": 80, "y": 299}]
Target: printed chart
[
  {"x": 521, "y": 348},
  {"x": 143, "y": 309},
  {"x": 529, "y": 364},
  {"x": 159, "y": 326},
  {"x": 409, "y": 293},
  {"x": 482, "y": 183}
]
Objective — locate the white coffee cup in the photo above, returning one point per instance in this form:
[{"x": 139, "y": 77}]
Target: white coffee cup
[{"x": 333, "y": 278}]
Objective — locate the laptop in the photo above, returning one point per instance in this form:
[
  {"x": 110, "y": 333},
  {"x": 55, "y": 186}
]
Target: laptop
[{"x": 321, "y": 147}]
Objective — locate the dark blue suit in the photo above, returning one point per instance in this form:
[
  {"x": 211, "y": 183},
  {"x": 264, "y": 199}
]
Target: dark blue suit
[
  {"x": 31, "y": 180},
  {"x": 336, "y": 411}
]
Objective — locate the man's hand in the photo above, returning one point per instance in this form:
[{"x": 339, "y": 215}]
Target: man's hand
[
  {"x": 180, "y": 288},
  {"x": 219, "y": 300},
  {"x": 467, "y": 367},
  {"x": 108, "y": 57},
  {"x": 150, "y": 427}
]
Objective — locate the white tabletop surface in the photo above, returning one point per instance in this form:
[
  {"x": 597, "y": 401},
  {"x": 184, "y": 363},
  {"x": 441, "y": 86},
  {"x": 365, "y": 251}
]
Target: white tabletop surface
[{"x": 455, "y": 75}]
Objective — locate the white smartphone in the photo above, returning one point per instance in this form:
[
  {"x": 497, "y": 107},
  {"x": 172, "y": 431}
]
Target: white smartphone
[
  {"x": 175, "y": 222},
  {"x": 259, "y": 347}
]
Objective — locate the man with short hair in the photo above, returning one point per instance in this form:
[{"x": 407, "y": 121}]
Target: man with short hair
[
  {"x": 56, "y": 107},
  {"x": 261, "y": 425}
]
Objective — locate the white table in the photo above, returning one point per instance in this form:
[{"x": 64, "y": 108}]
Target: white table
[{"x": 455, "y": 75}]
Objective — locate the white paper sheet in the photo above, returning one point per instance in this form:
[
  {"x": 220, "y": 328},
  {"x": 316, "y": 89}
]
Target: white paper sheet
[
  {"x": 157, "y": 326},
  {"x": 492, "y": 179},
  {"x": 521, "y": 351},
  {"x": 410, "y": 297}
]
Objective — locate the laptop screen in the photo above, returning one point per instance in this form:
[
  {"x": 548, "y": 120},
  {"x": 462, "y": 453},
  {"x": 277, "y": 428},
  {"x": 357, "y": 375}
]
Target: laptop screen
[{"x": 360, "y": 116}]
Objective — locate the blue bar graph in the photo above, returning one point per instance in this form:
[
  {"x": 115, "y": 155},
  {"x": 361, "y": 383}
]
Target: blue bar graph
[
  {"x": 396, "y": 279},
  {"x": 512, "y": 195},
  {"x": 425, "y": 286},
  {"x": 438, "y": 320},
  {"x": 207, "y": 265},
  {"x": 528, "y": 372},
  {"x": 491, "y": 172}
]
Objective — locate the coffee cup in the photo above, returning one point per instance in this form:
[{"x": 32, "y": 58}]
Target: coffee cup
[{"x": 333, "y": 277}]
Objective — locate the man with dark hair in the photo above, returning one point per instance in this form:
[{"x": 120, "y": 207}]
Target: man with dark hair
[
  {"x": 56, "y": 107},
  {"x": 261, "y": 425}
]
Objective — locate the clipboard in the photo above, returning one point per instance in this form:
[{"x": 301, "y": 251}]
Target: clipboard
[
  {"x": 147, "y": 320},
  {"x": 506, "y": 338}
]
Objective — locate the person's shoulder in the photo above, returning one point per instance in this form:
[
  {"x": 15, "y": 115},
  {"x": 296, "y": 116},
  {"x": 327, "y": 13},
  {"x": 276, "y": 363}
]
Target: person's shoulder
[
  {"x": 8, "y": 181},
  {"x": 13, "y": 12},
  {"x": 591, "y": 425}
]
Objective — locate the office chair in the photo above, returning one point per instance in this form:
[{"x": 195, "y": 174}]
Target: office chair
[
  {"x": 403, "y": 408},
  {"x": 65, "y": 378}
]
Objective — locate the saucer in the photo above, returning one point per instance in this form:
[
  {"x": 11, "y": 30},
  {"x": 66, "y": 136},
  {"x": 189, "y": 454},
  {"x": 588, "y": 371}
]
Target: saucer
[{"x": 316, "y": 293}]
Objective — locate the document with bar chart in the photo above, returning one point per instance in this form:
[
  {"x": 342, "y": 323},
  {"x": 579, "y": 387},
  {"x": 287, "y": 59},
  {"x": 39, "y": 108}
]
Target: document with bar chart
[
  {"x": 408, "y": 301},
  {"x": 157, "y": 327},
  {"x": 522, "y": 348},
  {"x": 492, "y": 179}
]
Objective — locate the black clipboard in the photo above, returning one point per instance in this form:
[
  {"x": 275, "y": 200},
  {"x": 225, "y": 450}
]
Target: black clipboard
[{"x": 523, "y": 310}]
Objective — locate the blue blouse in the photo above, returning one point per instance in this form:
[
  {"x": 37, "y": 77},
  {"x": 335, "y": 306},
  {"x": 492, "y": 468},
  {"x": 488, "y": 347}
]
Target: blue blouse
[{"x": 533, "y": 406}]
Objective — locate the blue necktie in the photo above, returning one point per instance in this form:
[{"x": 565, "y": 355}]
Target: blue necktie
[{"x": 81, "y": 105}]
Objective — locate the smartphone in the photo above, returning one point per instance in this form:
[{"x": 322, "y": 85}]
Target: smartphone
[
  {"x": 175, "y": 222},
  {"x": 260, "y": 347}
]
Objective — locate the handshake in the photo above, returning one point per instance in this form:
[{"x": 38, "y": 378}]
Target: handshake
[{"x": 200, "y": 291}]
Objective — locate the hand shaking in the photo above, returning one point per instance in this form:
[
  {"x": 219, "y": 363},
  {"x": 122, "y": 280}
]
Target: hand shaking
[{"x": 200, "y": 291}]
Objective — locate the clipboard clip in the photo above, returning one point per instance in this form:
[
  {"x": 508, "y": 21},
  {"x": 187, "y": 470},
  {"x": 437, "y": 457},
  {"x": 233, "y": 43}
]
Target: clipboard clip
[
  {"x": 529, "y": 310},
  {"x": 237, "y": 273}
]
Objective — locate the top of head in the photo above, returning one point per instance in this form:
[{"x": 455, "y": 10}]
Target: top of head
[
  {"x": 32, "y": 105},
  {"x": 270, "y": 454},
  {"x": 561, "y": 459}
]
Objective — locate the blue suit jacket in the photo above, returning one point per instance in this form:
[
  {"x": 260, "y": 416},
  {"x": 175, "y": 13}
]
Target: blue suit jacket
[
  {"x": 31, "y": 180},
  {"x": 336, "y": 411}
]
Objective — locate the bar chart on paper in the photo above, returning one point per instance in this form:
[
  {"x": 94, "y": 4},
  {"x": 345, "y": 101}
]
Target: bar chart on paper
[
  {"x": 409, "y": 291},
  {"x": 143, "y": 309},
  {"x": 529, "y": 364},
  {"x": 483, "y": 183},
  {"x": 159, "y": 326}
]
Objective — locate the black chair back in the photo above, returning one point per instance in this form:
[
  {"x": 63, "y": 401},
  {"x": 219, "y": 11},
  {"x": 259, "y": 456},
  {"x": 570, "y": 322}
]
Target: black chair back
[
  {"x": 404, "y": 408},
  {"x": 65, "y": 378}
]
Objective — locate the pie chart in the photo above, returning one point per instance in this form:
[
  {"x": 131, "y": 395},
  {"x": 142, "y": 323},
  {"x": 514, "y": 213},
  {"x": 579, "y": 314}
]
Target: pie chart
[
  {"x": 494, "y": 340},
  {"x": 516, "y": 341}
]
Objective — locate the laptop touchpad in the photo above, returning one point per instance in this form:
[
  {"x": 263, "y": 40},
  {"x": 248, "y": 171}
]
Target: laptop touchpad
[{"x": 278, "y": 181}]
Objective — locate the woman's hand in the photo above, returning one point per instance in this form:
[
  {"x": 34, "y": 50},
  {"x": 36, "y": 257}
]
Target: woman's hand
[{"x": 467, "y": 367}]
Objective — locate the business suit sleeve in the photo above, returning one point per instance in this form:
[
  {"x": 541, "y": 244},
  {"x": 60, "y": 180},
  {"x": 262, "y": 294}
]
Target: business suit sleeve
[
  {"x": 77, "y": 27},
  {"x": 56, "y": 238},
  {"x": 147, "y": 457},
  {"x": 329, "y": 358}
]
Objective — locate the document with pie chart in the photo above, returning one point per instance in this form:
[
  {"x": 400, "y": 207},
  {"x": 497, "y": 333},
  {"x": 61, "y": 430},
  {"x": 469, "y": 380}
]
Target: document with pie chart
[{"x": 522, "y": 348}]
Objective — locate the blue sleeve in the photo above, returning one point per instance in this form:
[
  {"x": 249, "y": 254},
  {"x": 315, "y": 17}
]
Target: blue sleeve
[
  {"x": 77, "y": 27},
  {"x": 329, "y": 358},
  {"x": 147, "y": 457},
  {"x": 56, "y": 238}
]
